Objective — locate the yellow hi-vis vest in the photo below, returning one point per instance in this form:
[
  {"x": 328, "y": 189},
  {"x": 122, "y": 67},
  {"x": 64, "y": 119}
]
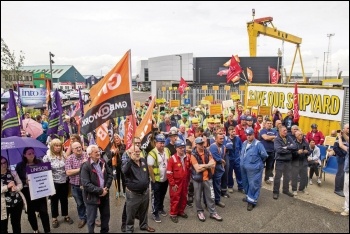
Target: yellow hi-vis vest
[{"x": 154, "y": 154}]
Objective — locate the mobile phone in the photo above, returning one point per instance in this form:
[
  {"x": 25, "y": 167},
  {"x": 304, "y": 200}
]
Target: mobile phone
[{"x": 338, "y": 131}]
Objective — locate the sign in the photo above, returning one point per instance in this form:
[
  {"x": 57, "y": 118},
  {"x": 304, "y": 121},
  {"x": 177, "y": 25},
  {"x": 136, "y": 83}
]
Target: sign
[
  {"x": 205, "y": 87},
  {"x": 174, "y": 103},
  {"x": 321, "y": 103},
  {"x": 227, "y": 87},
  {"x": 241, "y": 88},
  {"x": 170, "y": 88},
  {"x": 264, "y": 110},
  {"x": 252, "y": 102},
  {"x": 187, "y": 101},
  {"x": 215, "y": 109},
  {"x": 32, "y": 96},
  {"x": 163, "y": 89},
  {"x": 209, "y": 98},
  {"x": 40, "y": 180},
  {"x": 216, "y": 88},
  {"x": 227, "y": 104},
  {"x": 174, "y": 88},
  {"x": 329, "y": 140},
  {"x": 137, "y": 104},
  {"x": 205, "y": 102},
  {"x": 160, "y": 100}
]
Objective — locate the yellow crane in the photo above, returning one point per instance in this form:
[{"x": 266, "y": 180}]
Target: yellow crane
[{"x": 265, "y": 26}]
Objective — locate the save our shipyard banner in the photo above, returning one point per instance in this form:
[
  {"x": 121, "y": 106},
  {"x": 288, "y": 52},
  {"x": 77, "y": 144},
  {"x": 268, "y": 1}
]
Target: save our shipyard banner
[{"x": 40, "y": 180}]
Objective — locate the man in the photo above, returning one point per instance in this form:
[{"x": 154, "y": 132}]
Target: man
[
  {"x": 137, "y": 193},
  {"x": 345, "y": 146},
  {"x": 299, "y": 164},
  {"x": 202, "y": 168},
  {"x": 233, "y": 150},
  {"x": 209, "y": 132},
  {"x": 217, "y": 150},
  {"x": 278, "y": 124},
  {"x": 43, "y": 137},
  {"x": 314, "y": 161},
  {"x": 96, "y": 179},
  {"x": 284, "y": 147},
  {"x": 250, "y": 121},
  {"x": 288, "y": 121},
  {"x": 157, "y": 161},
  {"x": 230, "y": 122},
  {"x": 182, "y": 132},
  {"x": 267, "y": 136},
  {"x": 175, "y": 117},
  {"x": 171, "y": 145},
  {"x": 258, "y": 126},
  {"x": 72, "y": 167},
  {"x": 253, "y": 156},
  {"x": 340, "y": 153},
  {"x": 164, "y": 127},
  {"x": 315, "y": 134},
  {"x": 194, "y": 126},
  {"x": 178, "y": 177},
  {"x": 293, "y": 130},
  {"x": 241, "y": 127},
  {"x": 184, "y": 121}
]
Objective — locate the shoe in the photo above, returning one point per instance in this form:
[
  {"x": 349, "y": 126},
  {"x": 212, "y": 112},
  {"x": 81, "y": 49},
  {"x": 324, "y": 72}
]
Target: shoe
[
  {"x": 295, "y": 193},
  {"x": 244, "y": 199},
  {"x": 117, "y": 195},
  {"x": 344, "y": 213},
  {"x": 319, "y": 181},
  {"x": 230, "y": 190},
  {"x": 220, "y": 204},
  {"x": 174, "y": 219},
  {"x": 225, "y": 195},
  {"x": 81, "y": 223},
  {"x": 189, "y": 205},
  {"x": 123, "y": 228},
  {"x": 250, "y": 207},
  {"x": 183, "y": 215},
  {"x": 55, "y": 223},
  {"x": 241, "y": 190},
  {"x": 201, "y": 216},
  {"x": 156, "y": 218},
  {"x": 68, "y": 220},
  {"x": 268, "y": 182},
  {"x": 275, "y": 196},
  {"x": 162, "y": 213},
  {"x": 98, "y": 223},
  {"x": 339, "y": 193},
  {"x": 289, "y": 194},
  {"x": 148, "y": 229},
  {"x": 216, "y": 217},
  {"x": 304, "y": 192},
  {"x": 310, "y": 182}
]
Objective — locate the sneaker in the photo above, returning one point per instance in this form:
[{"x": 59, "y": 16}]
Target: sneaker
[
  {"x": 221, "y": 204},
  {"x": 162, "y": 213},
  {"x": 156, "y": 218},
  {"x": 304, "y": 192},
  {"x": 55, "y": 223},
  {"x": 295, "y": 193},
  {"x": 201, "y": 216},
  {"x": 310, "y": 182},
  {"x": 344, "y": 213},
  {"x": 289, "y": 194},
  {"x": 174, "y": 219},
  {"x": 81, "y": 223},
  {"x": 216, "y": 217},
  {"x": 319, "y": 181},
  {"x": 68, "y": 220},
  {"x": 230, "y": 190},
  {"x": 339, "y": 193}
]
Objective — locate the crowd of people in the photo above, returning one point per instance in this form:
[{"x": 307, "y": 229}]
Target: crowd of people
[{"x": 195, "y": 157}]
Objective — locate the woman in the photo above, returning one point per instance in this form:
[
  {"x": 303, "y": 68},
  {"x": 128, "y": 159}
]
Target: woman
[
  {"x": 39, "y": 204},
  {"x": 12, "y": 199},
  {"x": 117, "y": 151},
  {"x": 55, "y": 156}
]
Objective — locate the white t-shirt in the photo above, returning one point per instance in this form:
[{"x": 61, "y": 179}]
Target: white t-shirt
[{"x": 162, "y": 163}]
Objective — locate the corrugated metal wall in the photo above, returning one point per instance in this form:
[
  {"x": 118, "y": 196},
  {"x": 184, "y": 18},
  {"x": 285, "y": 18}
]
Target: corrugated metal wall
[{"x": 346, "y": 106}]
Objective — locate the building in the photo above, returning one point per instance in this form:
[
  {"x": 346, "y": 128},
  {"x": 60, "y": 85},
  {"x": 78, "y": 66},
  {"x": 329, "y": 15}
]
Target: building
[{"x": 9, "y": 79}]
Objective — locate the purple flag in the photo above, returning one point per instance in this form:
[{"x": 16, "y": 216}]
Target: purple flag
[
  {"x": 56, "y": 118},
  {"x": 81, "y": 102},
  {"x": 11, "y": 125}
]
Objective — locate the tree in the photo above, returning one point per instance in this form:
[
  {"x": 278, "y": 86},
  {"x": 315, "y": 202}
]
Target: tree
[{"x": 9, "y": 63}]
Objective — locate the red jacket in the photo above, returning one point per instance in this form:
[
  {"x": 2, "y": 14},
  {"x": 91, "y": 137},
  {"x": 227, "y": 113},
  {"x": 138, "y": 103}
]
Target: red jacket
[
  {"x": 176, "y": 172},
  {"x": 240, "y": 132},
  {"x": 317, "y": 136}
]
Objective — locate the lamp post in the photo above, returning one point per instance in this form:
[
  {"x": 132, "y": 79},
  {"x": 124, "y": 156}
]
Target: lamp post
[
  {"x": 51, "y": 55},
  {"x": 199, "y": 75},
  {"x": 180, "y": 65}
]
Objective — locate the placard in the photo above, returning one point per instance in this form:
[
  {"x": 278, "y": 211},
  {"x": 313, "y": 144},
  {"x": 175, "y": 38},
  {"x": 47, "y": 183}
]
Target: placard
[
  {"x": 137, "y": 104},
  {"x": 329, "y": 140},
  {"x": 235, "y": 96},
  {"x": 216, "y": 88},
  {"x": 174, "y": 103},
  {"x": 160, "y": 100},
  {"x": 174, "y": 88},
  {"x": 252, "y": 102},
  {"x": 227, "y": 104},
  {"x": 264, "y": 110},
  {"x": 241, "y": 88},
  {"x": 215, "y": 109},
  {"x": 163, "y": 89},
  {"x": 209, "y": 98},
  {"x": 170, "y": 88},
  {"x": 187, "y": 101},
  {"x": 205, "y": 87},
  {"x": 205, "y": 102},
  {"x": 227, "y": 87},
  {"x": 40, "y": 180}
]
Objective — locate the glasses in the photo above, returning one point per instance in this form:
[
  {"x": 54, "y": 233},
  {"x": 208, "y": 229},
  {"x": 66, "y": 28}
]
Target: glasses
[{"x": 79, "y": 147}]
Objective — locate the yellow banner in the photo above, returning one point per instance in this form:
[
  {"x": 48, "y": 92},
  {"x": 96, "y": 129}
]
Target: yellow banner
[
  {"x": 209, "y": 98},
  {"x": 174, "y": 103},
  {"x": 163, "y": 89},
  {"x": 329, "y": 140},
  {"x": 205, "y": 87},
  {"x": 215, "y": 109},
  {"x": 264, "y": 110},
  {"x": 252, "y": 102},
  {"x": 170, "y": 88},
  {"x": 216, "y": 88},
  {"x": 227, "y": 87},
  {"x": 205, "y": 102},
  {"x": 160, "y": 100},
  {"x": 235, "y": 96}
]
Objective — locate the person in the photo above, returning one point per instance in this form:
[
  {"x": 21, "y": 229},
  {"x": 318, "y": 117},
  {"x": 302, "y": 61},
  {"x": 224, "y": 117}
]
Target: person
[
  {"x": 164, "y": 127},
  {"x": 276, "y": 115},
  {"x": 55, "y": 156},
  {"x": 316, "y": 135},
  {"x": 340, "y": 154},
  {"x": 137, "y": 193},
  {"x": 288, "y": 121},
  {"x": 117, "y": 150},
  {"x": 157, "y": 161},
  {"x": 96, "y": 179},
  {"x": 230, "y": 122},
  {"x": 178, "y": 177},
  {"x": 253, "y": 156},
  {"x": 43, "y": 137},
  {"x": 202, "y": 169},
  {"x": 217, "y": 150},
  {"x": 241, "y": 127},
  {"x": 172, "y": 139},
  {"x": 284, "y": 147},
  {"x": 267, "y": 137},
  {"x": 72, "y": 168},
  {"x": 345, "y": 146},
  {"x": 314, "y": 162},
  {"x": 299, "y": 164},
  {"x": 12, "y": 199},
  {"x": 39, "y": 204}
]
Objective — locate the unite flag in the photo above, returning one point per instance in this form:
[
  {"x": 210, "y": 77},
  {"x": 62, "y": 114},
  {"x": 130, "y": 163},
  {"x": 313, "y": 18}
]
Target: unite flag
[
  {"x": 274, "y": 75},
  {"x": 182, "y": 86},
  {"x": 296, "y": 103},
  {"x": 110, "y": 97},
  {"x": 233, "y": 70}
]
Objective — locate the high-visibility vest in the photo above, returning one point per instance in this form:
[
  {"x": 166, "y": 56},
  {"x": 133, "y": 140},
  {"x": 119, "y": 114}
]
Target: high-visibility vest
[{"x": 154, "y": 154}]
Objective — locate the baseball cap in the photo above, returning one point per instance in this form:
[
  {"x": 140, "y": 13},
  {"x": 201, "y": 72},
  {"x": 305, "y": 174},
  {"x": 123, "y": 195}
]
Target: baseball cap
[
  {"x": 249, "y": 118},
  {"x": 199, "y": 140},
  {"x": 243, "y": 117},
  {"x": 179, "y": 143},
  {"x": 249, "y": 131},
  {"x": 160, "y": 138},
  {"x": 314, "y": 126}
]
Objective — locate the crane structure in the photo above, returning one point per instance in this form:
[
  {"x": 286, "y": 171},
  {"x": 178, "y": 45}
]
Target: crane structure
[{"x": 265, "y": 27}]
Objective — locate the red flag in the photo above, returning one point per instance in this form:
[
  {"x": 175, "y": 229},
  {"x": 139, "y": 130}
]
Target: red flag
[
  {"x": 274, "y": 75},
  {"x": 182, "y": 86},
  {"x": 296, "y": 103},
  {"x": 234, "y": 70},
  {"x": 130, "y": 127}
]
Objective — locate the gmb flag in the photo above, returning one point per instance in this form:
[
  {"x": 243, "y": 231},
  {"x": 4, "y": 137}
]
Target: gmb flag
[{"x": 110, "y": 97}]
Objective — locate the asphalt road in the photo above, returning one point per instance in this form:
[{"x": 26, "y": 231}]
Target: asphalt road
[{"x": 140, "y": 96}]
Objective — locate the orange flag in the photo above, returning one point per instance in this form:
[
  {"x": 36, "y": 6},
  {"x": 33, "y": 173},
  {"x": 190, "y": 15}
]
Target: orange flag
[{"x": 145, "y": 127}]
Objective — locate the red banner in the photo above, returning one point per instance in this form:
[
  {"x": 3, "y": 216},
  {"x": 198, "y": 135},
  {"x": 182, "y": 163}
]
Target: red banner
[
  {"x": 274, "y": 75},
  {"x": 182, "y": 86},
  {"x": 233, "y": 70},
  {"x": 296, "y": 103}
]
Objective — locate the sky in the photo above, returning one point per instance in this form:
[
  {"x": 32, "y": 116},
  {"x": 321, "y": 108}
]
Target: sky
[{"x": 93, "y": 36}]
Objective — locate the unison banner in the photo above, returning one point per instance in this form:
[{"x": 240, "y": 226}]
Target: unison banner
[{"x": 40, "y": 180}]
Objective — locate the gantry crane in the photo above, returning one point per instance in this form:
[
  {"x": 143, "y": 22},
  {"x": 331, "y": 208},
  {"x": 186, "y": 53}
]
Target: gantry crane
[{"x": 264, "y": 26}]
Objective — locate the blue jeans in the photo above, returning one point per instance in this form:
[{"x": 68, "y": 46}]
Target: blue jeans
[{"x": 78, "y": 197}]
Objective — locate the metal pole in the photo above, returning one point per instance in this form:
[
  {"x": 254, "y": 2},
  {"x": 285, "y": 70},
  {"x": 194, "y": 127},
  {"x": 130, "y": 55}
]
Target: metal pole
[
  {"x": 199, "y": 75},
  {"x": 51, "y": 55}
]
